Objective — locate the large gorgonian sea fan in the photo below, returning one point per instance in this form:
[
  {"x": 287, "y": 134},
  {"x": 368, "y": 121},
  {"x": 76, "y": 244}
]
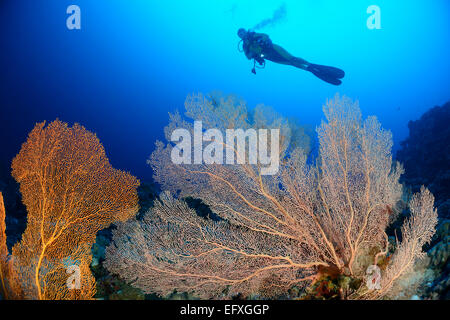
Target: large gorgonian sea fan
[
  {"x": 275, "y": 232},
  {"x": 71, "y": 192}
]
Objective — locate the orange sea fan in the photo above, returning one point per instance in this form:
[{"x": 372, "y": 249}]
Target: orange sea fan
[{"x": 71, "y": 192}]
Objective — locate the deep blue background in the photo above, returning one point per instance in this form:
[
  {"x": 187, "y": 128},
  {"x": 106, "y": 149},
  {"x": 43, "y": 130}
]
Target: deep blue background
[{"x": 134, "y": 61}]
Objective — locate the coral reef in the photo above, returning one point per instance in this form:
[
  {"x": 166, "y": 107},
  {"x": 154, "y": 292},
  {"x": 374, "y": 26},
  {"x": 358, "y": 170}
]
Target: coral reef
[
  {"x": 290, "y": 230},
  {"x": 426, "y": 157},
  {"x": 439, "y": 282},
  {"x": 238, "y": 246}
]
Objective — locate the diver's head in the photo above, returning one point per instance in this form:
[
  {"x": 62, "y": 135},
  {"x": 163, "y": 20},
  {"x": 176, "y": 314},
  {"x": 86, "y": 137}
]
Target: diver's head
[{"x": 242, "y": 33}]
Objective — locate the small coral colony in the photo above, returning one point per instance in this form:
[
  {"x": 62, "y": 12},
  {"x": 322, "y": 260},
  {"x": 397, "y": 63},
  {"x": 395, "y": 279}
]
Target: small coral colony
[{"x": 315, "y": 228}]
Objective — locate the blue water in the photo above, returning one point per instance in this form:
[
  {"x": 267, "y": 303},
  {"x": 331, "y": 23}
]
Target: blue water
[{"x": 132, "y": 62}]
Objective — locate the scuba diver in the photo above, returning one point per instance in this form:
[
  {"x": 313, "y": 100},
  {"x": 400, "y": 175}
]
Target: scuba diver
[{"x": 259, "y": 47}]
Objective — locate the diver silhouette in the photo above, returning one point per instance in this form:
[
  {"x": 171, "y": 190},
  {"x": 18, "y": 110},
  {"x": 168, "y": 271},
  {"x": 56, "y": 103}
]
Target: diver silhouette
[{"x": 259, "y": 47}]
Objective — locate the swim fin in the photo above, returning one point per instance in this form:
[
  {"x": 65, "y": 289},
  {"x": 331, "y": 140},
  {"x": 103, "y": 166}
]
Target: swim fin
[{"x": 326, "y": 73}]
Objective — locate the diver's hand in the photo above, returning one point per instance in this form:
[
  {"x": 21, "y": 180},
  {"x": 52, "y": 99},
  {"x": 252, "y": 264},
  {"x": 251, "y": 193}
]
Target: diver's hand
[{"x": 260, "y": 59}]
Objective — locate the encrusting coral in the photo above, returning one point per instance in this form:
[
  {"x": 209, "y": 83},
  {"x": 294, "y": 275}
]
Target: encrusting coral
[
  {"x": 71, "y": 192},
  {"x": 9, "y": 286},
  {"x": 3, "y": 248},
  {"x": 278, "y": 232}
]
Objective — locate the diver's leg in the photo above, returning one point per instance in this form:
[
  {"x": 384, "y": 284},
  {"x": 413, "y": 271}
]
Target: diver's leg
[
  {"x": 279, "y": 55},
  {"x": 299, "y": 63},
  {"x": 329, "y": 74}
]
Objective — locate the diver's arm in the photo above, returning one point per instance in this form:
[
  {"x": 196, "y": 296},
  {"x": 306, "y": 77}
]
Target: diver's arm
[
  {"x": 263, "y": 38},
  {"x": 247, "y": 51}
]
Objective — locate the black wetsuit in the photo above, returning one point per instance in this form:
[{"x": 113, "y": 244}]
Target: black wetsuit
[{"x": 259, "y": 47}]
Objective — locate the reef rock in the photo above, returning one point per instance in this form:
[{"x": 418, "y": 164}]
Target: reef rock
[{"x": 425, "y": 155}]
